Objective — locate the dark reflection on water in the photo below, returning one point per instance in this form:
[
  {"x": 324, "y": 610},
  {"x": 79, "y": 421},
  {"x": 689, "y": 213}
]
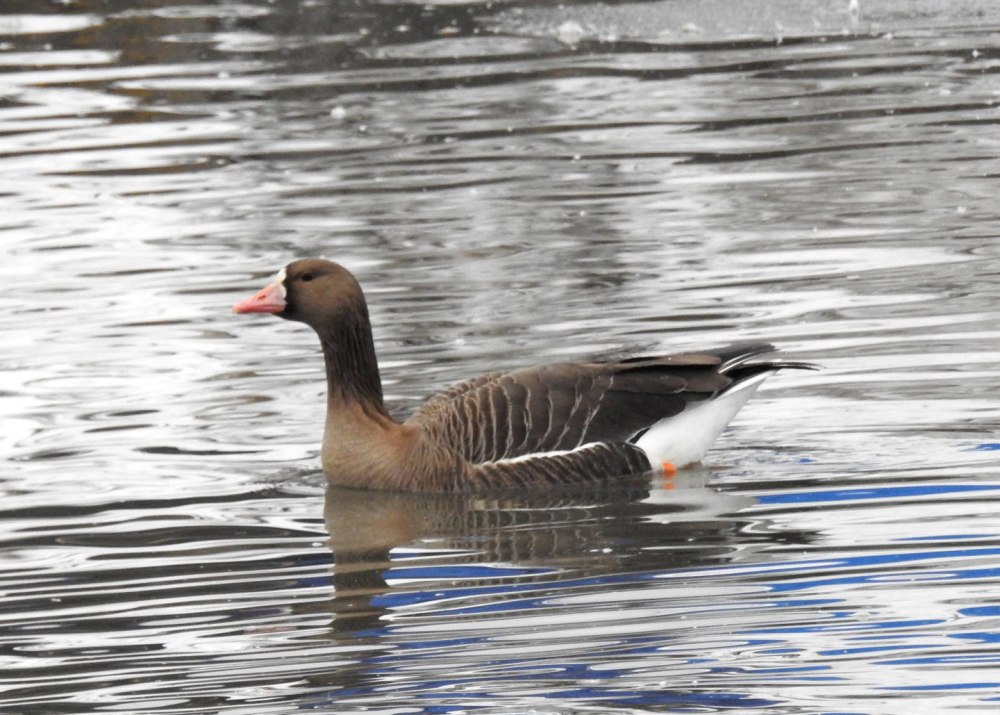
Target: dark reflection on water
[
  {"x": 469, "y": 559},
  {"x": 513, "y": 183},
  {"x": 589, "y": 532}
]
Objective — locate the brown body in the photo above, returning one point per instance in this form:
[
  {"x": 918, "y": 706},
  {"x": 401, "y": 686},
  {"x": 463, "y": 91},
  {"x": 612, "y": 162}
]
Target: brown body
[{"x": 564, "y": 423}]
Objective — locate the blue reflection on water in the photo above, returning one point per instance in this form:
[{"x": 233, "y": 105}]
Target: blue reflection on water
[
  {"x": 980, "y": 611},
  {"x": 942, "y": 686},
  {"x": 900, "y": 635},
  {"x": 675, "y": 699},
  {"x": 893, "y": 492}
]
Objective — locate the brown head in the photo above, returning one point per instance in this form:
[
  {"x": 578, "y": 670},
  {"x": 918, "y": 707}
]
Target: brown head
[
  {"x": 327, "y": 298},
  {"x": 312, "y": 291}
]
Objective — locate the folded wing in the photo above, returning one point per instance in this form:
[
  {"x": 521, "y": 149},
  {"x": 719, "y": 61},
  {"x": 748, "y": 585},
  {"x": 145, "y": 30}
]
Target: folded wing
[{"x": 559, "y": 407}]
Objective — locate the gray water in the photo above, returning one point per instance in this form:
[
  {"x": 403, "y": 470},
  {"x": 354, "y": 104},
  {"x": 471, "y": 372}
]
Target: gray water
[{"x": 513, "y": 184}]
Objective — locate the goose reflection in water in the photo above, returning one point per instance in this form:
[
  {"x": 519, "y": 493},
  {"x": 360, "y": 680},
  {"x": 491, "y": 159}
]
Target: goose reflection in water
[{"x": 395, "y": 550}]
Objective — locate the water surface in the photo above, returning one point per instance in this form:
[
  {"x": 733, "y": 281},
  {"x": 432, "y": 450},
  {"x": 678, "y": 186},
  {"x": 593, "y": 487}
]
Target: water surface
[{"x": 513, "y": 184}]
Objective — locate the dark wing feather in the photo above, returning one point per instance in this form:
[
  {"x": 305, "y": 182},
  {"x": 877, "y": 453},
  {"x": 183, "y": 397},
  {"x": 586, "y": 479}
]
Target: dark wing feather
[
  {"x": 503, "y": 415},
  {"x": 559, "y": 407}
]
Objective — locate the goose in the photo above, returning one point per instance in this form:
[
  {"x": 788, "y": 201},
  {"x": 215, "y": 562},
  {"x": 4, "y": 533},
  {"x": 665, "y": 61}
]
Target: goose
[{"x": 565, "y": 423}]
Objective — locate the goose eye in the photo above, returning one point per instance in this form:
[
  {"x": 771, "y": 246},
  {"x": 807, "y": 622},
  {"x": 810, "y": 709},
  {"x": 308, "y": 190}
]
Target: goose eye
[{"x": 306, "y": 277}]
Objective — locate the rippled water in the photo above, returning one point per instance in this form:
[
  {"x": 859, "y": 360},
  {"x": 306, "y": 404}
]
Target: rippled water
[{"x": 513, "y": 183}]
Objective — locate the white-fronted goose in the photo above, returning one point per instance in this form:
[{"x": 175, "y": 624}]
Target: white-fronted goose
[{"x": 565, "y": 423}]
